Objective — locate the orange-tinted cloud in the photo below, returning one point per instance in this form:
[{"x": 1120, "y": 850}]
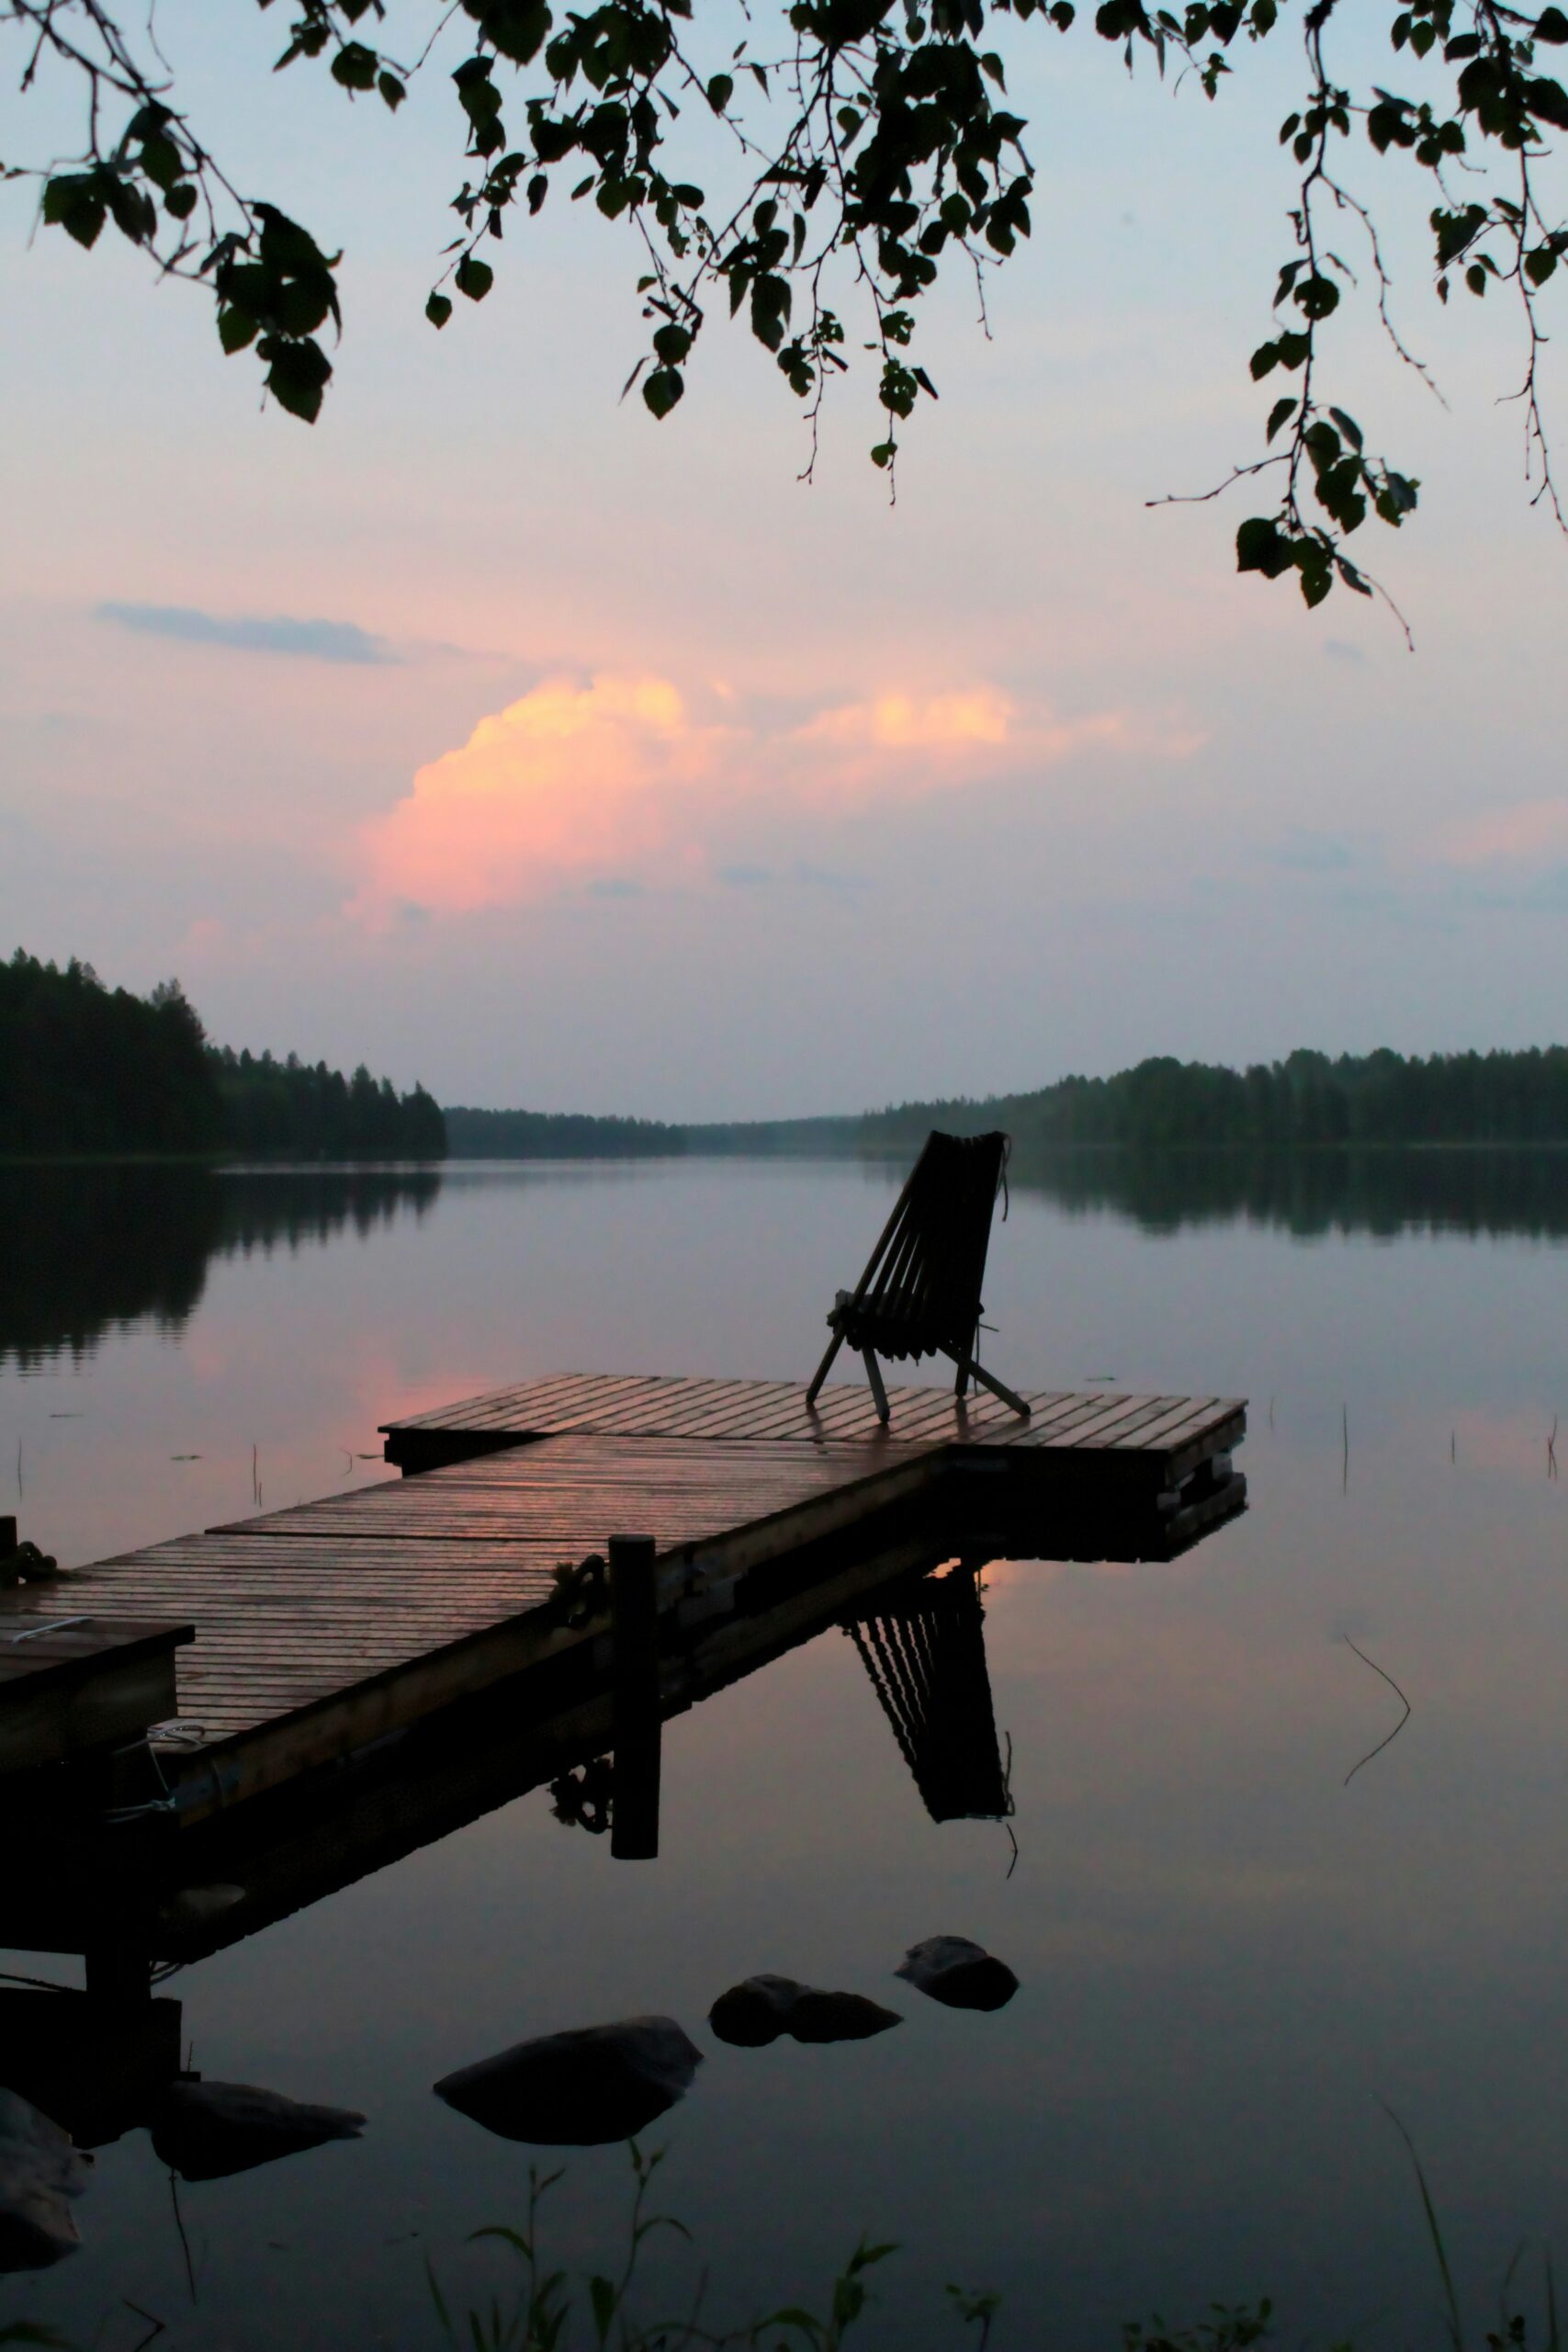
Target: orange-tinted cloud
[
  {"x": 1530, "y": 829},
  {"x": 621, "y": 781},
  {"x": 962, "y": 737},
  {"x": 898, "y": 722},
  {"x": 572, "y": 783}
]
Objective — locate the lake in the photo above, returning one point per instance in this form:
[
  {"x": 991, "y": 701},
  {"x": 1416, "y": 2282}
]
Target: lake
[{"x": 1233, "y": 1958}]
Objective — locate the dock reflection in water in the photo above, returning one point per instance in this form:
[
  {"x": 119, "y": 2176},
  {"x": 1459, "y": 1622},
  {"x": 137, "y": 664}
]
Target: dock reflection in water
[{"x": 107, "y": 2060}]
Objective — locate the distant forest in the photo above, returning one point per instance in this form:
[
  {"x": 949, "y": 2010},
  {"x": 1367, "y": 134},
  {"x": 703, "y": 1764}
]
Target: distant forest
[
  {"x": 1307, "y": 1099},
  {"x": 557, "y": 1135},
  {"x": 578, "y": 1134},
  {"x": 84, "y": 1068}
]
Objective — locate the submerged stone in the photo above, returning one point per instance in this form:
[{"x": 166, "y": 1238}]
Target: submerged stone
[
  {"x": 757, "y": 2011},
  {"x": 839, "y": 2017},
  {"x": 581, "y": 2088},
  {"x": 207, "y": 2130},
  {"x": 962, "y": 1974},
  {"x": 41, "y": 2172}
]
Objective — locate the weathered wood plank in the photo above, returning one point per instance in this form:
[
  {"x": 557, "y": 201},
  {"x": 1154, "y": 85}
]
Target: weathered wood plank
[{"x": 1121, "y": 1420}]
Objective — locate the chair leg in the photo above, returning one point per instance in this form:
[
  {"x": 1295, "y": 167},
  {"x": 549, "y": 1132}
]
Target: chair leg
[
  {"x": 823, "y": 1368},
  {"x": 985, "y": 1379},
  {"x": 873, "y": 1373}
]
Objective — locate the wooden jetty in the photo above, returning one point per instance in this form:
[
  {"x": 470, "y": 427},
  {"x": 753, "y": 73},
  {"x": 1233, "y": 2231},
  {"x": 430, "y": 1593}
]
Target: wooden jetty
[{"x": 322, "y": 1630}]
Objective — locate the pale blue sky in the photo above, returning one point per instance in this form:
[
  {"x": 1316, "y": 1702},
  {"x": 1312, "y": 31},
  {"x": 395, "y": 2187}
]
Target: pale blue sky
[{"x": 1013, "y": 779}]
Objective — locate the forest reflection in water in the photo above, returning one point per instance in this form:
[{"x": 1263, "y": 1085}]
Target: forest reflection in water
[
  {"x": 1317, "y": 1191},
  {"x": 94, "y": 1247}
]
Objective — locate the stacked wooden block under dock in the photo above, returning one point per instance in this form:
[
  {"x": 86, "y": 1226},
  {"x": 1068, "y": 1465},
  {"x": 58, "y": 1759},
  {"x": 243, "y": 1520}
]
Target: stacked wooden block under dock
[{"x": 320, "y": 1629}]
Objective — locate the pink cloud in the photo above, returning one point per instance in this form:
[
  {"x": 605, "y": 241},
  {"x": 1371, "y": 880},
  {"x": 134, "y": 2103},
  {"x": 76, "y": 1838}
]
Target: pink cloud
[
  {"x": 960, "y": 738},
  {"x": 572, "y": 782},
  {"x": 627, "y": 780},
  {"x": 1530, "y": 829},
  {"x": 954, "y": 722}
]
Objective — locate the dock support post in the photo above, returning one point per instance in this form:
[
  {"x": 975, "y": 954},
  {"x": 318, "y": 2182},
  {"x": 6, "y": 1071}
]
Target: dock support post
[
  {"x": 119, "y": 1974},
  {"x": 637, "y": 1720}
]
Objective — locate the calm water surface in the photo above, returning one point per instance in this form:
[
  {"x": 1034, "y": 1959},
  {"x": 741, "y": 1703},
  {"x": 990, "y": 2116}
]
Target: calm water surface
[{"x": 1230, "y": 1959}]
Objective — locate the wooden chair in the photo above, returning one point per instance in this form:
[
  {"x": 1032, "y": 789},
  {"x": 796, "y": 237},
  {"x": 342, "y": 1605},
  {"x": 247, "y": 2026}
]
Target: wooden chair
[{"x": 920, "y": 1291}]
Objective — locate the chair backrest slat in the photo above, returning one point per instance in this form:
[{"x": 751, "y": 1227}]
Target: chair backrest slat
[
  {"x": 890, "y": 1230},
  {"x": 921, "y": 1289}
]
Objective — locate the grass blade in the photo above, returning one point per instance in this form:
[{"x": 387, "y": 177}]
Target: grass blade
[
  {"x": 1553, "y": 2335},
  {"x": 1456, "y": 2325}
]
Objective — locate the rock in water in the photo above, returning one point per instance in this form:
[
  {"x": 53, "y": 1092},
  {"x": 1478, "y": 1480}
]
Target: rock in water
[
  {"x": 578, "y": 2089},
  {"x": 756, "y": 2012},
  {"x": 40, "y": 2172},
  {"x": 839, "y": 2017},
  {"x": 762, "y": 2007},
  {"x": 206, "y": 2131},
  {"x": 962, "y": 1974}
]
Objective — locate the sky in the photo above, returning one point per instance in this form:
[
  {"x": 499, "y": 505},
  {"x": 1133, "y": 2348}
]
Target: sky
[{"x": 491, "y": 733}]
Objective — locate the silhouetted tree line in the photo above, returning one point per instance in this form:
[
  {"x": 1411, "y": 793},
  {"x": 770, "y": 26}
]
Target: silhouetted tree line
[
  {"x": 85, "y": 1068},
  {"x": 298, "y": 1110},
  {"x": 1307, "y": 1099},
  {"x": 557, "y": 1135},
  {"x": 581, "y": 1135}
]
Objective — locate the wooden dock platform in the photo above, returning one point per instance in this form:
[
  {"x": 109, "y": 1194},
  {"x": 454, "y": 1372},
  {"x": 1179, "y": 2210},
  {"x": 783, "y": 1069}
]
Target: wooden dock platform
[
  {"x": 1157, "y": 1439},
  {"x": 323, "y": 1629}
]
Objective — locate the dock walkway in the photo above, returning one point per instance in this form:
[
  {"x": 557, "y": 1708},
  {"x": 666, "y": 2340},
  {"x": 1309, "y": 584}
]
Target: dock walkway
[
  {"x": 1163, "y": 1437},
  {"x": 322, "y": 1628}
]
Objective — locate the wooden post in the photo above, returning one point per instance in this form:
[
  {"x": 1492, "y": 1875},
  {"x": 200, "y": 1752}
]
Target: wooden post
[
  {"x": 637, "y": 1718},
  {"x": 119, "y": 1973}
]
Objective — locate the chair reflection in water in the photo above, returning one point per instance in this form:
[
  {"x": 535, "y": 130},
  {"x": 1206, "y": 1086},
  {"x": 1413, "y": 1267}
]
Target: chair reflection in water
[
  {"x": 923, "y": 1648},
  {"x": 925, "y": 1653}
]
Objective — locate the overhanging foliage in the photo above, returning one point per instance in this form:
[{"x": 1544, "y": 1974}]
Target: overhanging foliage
[{"x": 870, "y": 143}]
